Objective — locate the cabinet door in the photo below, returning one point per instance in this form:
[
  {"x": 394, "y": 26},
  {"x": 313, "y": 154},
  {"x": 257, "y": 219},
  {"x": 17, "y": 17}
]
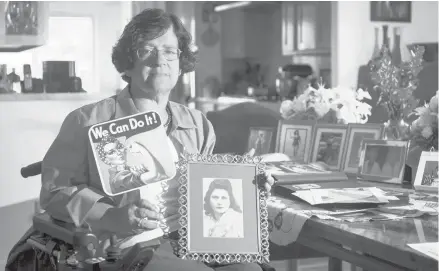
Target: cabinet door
[
  {"x": 23, "y": 23},
  {"x": 323, "y": 27},
  {"x": 306, "y": 26},
  {"x": 288, "y": 28},
  {"x": 233, "y": 34}
]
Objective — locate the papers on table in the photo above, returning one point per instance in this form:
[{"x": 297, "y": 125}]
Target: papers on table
[
  {"x": 342, "y": 196},
  {"x": 429, "y": 249}
]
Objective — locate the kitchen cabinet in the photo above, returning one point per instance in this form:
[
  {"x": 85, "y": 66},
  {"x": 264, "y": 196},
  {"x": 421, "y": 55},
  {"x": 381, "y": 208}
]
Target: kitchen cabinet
[
  {"x": 245, "y": 33},
  {"x": 23, "y": 25},
  {"x": 233, "y": 44},
  {"x": 306, "y": 28}
]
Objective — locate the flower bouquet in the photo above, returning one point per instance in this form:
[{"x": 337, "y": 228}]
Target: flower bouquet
[
  {"x": 336, "y": 105},
  {"x": 395, "y": 86},
  {"x": 424, "y": 130}
]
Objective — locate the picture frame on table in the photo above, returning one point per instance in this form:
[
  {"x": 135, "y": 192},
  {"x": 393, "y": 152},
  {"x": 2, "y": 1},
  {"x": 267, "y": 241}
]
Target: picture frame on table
[
  {"x": 294, "y": 138},
  {"x": 427, "y": 175},
  {"x": 356, "y": 134},
  {"x": 225, "y": 186},
  {"x": 328, "y": 145},
  {"x": 260, "y": 139},
  {"x": 383, "y": 160}
]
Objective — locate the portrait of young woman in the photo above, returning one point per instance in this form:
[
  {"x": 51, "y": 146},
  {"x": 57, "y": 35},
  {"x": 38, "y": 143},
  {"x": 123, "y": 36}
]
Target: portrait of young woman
[{"x": 223, "y": 216}]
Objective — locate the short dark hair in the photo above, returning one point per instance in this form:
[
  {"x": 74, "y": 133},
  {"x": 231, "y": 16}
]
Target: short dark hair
[
  {"x": 148, "y": 25},
  {"x": 220, "y": 184}
]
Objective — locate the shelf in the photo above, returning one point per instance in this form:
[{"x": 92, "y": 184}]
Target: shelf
[{"x": 20, "y": 97}]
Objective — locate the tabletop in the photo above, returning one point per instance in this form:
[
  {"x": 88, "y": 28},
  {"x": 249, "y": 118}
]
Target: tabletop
[{"x": 378, "y": 245}]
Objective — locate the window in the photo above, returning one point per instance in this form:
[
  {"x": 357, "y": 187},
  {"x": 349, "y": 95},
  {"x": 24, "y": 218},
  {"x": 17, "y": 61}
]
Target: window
[{"x": 69, "y": 39}]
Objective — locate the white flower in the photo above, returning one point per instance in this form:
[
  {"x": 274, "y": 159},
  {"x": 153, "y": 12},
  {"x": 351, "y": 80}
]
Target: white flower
[
  {"x": 321, "y": 109},
  {"x": 427, "y": 132},
  {"x": 299, "y": 105},
  {"x": 286, "y": 109},
  {"x": 361, "y": 95},
  {"x": 434, "y": 102},
  {"x": 346, "y": 104}
]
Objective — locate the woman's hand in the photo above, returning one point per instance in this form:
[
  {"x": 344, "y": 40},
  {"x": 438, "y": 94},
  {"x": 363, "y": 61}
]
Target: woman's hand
[
  {"x": 132, "y": 218},
  {"x": 268, "y": 180}
]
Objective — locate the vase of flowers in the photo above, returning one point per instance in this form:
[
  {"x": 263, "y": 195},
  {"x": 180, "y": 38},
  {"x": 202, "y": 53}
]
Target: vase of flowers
[
  {"x": 395, "y": 85},
  {"x": 395, "y": 128},
  {"x": 424, "y": 130},
  {"x": 336, "y": 105},
  {"x": 423, "y": 133}
]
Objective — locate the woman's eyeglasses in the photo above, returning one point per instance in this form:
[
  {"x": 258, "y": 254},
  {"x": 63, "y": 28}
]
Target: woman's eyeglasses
[{"x": 169, "y": 54}]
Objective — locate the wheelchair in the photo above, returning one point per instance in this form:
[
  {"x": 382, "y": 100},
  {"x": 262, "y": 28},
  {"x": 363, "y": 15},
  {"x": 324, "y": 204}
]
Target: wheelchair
[{"x": 65, "y": 247}]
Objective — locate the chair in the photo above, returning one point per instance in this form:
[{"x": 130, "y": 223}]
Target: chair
[
  {"x": 67, "y": 247},
  {"x": 71, "y": 248},
  {"x": 232, "y": 126}
]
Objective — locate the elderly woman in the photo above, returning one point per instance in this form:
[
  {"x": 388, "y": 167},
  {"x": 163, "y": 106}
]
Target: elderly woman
[{"x": 152, "y": 52}]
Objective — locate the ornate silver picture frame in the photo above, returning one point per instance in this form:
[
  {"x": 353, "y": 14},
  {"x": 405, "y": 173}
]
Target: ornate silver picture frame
[{"x": 223, "y": 209}]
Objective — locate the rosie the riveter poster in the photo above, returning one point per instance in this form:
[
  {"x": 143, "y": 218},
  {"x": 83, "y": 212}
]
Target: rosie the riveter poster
[{"x": 131, "y": 152}]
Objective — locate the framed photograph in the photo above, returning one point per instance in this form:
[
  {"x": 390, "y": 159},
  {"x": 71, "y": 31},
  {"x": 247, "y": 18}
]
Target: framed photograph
[
  {"x": 260, "y": 139},
  {"x": 223, "y": 209},
  {"x": 356, "y": 134},
  {"x": 391, "y": 11},
  {"x": 294, "y": 139},
  {"x": 328, "y": 145},
  {"x": 383, "y": 160},
  {"x": 427, "y": 175}
]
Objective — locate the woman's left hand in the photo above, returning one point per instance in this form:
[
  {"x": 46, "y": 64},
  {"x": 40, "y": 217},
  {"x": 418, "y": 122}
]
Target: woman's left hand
[{"x": 268, "y": 180}]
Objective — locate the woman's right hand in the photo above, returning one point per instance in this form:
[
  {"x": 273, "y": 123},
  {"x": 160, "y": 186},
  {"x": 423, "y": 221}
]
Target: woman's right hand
[{"x": 132, "y": 218}]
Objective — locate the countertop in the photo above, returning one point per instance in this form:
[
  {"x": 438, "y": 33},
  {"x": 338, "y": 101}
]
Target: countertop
[{"x": 19, "y": 97}]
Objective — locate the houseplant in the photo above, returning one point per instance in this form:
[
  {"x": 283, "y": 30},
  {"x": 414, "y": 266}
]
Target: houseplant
[{"x": 395, "y": 85}]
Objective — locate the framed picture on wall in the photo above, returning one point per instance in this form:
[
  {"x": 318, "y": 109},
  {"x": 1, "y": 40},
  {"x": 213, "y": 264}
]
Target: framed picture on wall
[
  {"x": 356, "y": 134},
  {"x": 329, "y": 144},
  {"x": 223, "y": 209},
  {"x": 294, "y": 139},
  {"x": 391, "y": 11}
]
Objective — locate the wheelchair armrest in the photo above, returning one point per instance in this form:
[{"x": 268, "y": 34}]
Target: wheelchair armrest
[{"x": 66, "y": 232}]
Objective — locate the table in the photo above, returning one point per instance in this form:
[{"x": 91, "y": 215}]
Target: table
[{"x": 373, "y": 246}]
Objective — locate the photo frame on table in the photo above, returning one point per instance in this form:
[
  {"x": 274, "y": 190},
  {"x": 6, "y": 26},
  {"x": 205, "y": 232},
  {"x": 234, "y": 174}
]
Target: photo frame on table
[
  {"x": 260, "y": 139},
  {"x": 212, "y": 186},
  {"x": 383, "y": 160},
  {"x": 329, "y": 144},
  {"x": 427, "y": 175},
  {"x": 294, "y": 138},
  {"x": 356, "y": 134}
]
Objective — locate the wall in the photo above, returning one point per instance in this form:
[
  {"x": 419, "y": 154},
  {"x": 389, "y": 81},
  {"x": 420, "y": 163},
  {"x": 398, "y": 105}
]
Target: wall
[{"x": 355, "y": 35}]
